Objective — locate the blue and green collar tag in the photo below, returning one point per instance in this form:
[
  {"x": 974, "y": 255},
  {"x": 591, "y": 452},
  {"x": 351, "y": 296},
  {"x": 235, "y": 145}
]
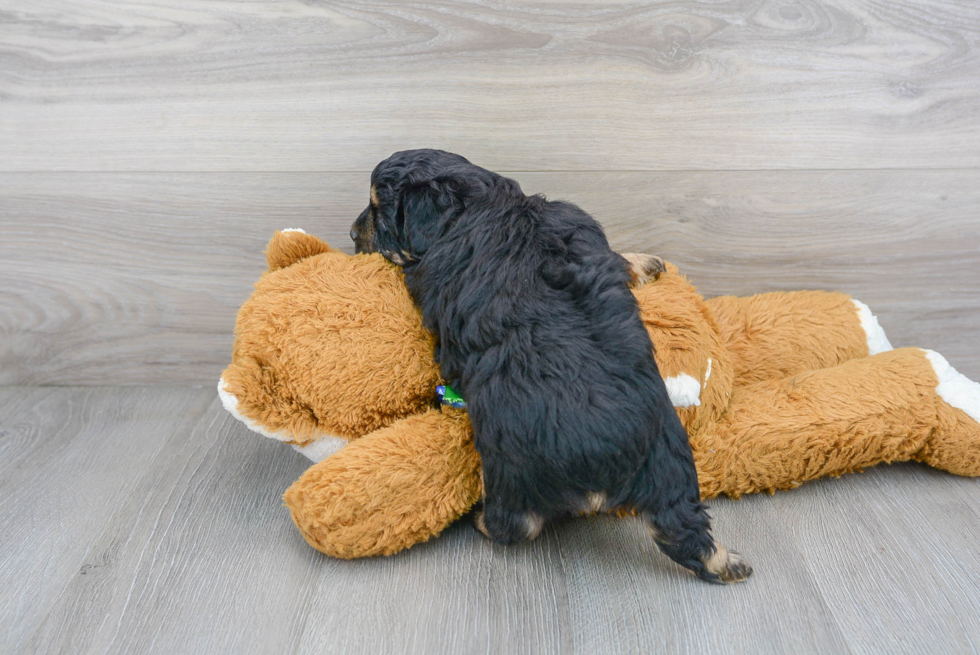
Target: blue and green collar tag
[{"x": 449, "y": 397}]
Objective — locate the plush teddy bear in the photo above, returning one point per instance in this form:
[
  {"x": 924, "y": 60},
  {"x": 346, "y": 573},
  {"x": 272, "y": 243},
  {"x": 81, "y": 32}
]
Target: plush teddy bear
[{"x": 331, "y": 356}]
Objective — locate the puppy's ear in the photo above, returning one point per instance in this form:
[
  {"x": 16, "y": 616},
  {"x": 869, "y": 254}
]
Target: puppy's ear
[{"x": 425, "y": 212}]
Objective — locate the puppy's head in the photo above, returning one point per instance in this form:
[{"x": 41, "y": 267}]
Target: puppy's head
[{"x": 416, "y": 197}]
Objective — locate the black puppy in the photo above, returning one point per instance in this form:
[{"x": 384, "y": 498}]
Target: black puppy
[{"x": 538, "y": 331}]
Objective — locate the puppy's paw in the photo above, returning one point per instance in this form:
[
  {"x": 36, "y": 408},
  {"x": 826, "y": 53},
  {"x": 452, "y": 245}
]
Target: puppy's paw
[
  {"x": 726, "y": 566},
  {"x": 516, "y": 527},
  {"x": 480, "y": 523},
  {"x": 643, "y": 268}
]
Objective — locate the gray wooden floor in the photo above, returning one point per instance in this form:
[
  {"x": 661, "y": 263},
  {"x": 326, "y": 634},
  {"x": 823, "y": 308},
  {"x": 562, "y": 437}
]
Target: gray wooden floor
[
  {"x": 149, "y": 149},
  {"x": 146, "y": 519}
]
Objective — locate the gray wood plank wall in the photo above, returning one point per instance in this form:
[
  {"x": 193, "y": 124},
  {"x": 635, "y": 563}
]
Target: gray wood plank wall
[{"x": 148, "y": 151}]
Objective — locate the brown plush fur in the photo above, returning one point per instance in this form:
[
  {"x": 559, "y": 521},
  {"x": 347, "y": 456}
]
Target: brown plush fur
[
  {"x": 315, "y": 335},
  {"x": 775, "y": 335},
  {"x": 392, "y": 488},
  {"x": 332, "y": 344}
]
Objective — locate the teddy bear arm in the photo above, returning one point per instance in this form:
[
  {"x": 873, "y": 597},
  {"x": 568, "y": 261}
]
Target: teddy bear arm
[
  {"x": 390, "y": 489},
  {"x": 774, "y": 335},
  {"x": 888, "y": 407}
]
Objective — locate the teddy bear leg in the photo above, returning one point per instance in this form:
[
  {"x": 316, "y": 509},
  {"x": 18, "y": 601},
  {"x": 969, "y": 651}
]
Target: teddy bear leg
[
  {"x": 955, "y": 443},
  {"x": 775, "y": 335},
  {"x": 780, "y": 433}
]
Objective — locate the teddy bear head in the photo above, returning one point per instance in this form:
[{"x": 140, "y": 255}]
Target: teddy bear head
[{"x": 328, "y": 345}]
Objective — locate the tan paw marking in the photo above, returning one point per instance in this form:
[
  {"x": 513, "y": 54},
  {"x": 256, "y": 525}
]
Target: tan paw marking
[
  {"x": 534, "y": 523},
  {"x": 643, "y": 267},
  {"x": 595, "y": 502},
  {"x": 728, "y": 565},
  {"x": 480, "y": 524}
]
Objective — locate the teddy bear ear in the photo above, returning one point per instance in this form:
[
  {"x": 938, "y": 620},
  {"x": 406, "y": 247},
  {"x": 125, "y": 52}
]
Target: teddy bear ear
[{"x": 292, "y": 245}]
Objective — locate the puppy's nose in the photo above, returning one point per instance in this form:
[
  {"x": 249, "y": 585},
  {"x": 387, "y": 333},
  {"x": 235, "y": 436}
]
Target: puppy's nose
[{"x": 353, "y": 234}]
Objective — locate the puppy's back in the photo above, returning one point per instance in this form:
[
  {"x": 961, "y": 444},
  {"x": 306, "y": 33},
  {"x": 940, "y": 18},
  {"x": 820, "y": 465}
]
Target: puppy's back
[{"x": 542, "y": 336}]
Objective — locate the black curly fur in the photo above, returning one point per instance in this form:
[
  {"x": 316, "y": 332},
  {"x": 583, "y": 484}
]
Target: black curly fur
[{"x": 539, "y": 332}]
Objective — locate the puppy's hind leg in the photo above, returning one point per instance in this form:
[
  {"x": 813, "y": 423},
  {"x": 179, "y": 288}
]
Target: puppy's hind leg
[
  {"x": 685, "y": 537},
  {"x": 666, "y": 494}
]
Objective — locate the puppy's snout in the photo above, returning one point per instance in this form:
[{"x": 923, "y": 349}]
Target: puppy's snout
[{"x": 362, "y": 232}]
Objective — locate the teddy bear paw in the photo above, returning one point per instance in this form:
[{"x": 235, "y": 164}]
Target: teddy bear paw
[
  {"x": 955, "y": 388},
  {"x": 873, "y": 332},
  {"x": 954, "y": 444}
]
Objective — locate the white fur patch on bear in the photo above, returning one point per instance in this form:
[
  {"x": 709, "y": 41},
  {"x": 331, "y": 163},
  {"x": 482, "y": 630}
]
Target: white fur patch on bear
[
  {"x": 877, "y": 341},
  {"x": 294, "y": 229},
  {"x": 322, "y": 448},
  {"x": 231, "y": 404},
  {"x": 955, "y": 388},
  {"x": 684, "y": 390}
]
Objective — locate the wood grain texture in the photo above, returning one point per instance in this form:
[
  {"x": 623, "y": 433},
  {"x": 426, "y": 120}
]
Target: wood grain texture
[
  {"x": 150, "y": 521},
  {"x": 617, "y": 85},
  {"x": 70, "y": 458},
  {"x": 200, "y": 557},
  {"x": 903, "y": 540},
  {"x": 136, "y": 278},
  {"x": 457, "y": 594},
  {"x": 629, "y": 599}
]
